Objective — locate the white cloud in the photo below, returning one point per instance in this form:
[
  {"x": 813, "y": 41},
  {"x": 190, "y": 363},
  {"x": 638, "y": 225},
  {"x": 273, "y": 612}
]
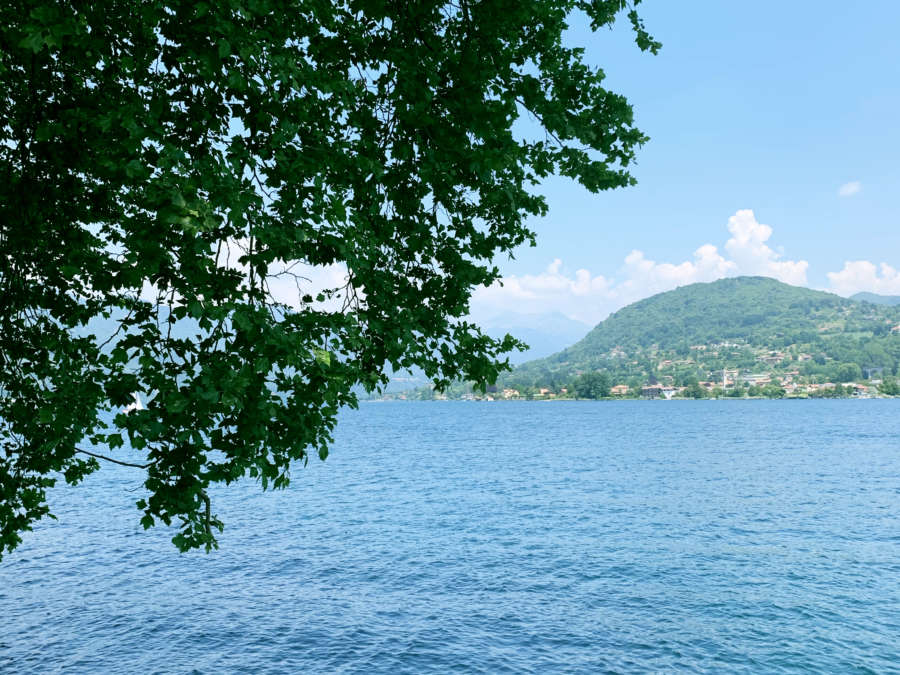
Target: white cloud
[
  {"x": 552, "y": 290},
  {"x": 288, "y": 283},
  {"x": 849, "y": 189},
  {"x": 589, "y": 298},
  {"x": 752, "y": 256},
  {"x": 862, "y": 275}
]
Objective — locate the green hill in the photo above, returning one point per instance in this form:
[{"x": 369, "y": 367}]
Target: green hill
[{"x": 749, "y": 324}]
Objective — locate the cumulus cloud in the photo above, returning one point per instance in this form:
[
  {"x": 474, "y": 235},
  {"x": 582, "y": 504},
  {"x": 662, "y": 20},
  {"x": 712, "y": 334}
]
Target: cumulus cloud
[
  {"x": 849, "y": 189},
  {"x": 753, "y": 256},
  {"x": 862, "y": 275},
  {"x": 590, "y": 298}
]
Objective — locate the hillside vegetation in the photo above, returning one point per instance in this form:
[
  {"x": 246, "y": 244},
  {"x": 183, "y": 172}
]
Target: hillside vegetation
[{"x": 759, "y": 329}]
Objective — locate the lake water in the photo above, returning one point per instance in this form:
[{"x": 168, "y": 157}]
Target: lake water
[{"x": 740, "y": 536}]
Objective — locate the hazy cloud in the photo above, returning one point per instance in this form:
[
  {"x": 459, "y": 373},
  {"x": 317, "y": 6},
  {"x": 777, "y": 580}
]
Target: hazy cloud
[
  {"x": 552, "y": 290},
  {"x": 862, "y": 275},
  {"x": 849, "y": 189}
]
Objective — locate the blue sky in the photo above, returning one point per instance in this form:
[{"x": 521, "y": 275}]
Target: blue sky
[{"x": 769, "y": 107}]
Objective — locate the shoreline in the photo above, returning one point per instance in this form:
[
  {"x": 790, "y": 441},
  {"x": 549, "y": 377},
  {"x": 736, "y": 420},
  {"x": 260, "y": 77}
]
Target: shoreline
[{"x": 621, "y": 399}]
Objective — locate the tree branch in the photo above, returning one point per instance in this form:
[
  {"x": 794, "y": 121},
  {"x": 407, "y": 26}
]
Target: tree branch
[
  {"x": 205, "y": 498},
  {"x": 115, "y": 461}
]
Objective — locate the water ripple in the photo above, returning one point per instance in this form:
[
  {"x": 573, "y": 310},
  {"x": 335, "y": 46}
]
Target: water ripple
[{"x": 491, "y": 538}]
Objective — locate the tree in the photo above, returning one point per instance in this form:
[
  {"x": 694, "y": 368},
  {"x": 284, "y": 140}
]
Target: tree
[
  {"x": 773, "y": 390},
  {"x": 593, "y": 385},
  {"x": 847, "y": 372},
  {"x": 889, "y": 387},
  {"x": 187, "y": 170},
  {"x": 694, "y": 390}
]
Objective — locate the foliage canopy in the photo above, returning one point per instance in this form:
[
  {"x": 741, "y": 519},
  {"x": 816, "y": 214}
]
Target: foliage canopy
[{"x": 175, "y": 168}]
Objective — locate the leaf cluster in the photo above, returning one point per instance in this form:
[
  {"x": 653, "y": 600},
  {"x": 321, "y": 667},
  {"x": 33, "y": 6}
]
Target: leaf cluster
[{"x": 178, "y": 172}]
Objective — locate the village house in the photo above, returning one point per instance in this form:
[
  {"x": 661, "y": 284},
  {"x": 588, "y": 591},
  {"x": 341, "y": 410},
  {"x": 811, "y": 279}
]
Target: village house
[
  {"x": 652, "y": 391},
  {"x": 619, "y": 390},
  {"x": 788, "y": 377},
  {"x": 771, "y": 358},
  {"x": 756, "y": 379}
]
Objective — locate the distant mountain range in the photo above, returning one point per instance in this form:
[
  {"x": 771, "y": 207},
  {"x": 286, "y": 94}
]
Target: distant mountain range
[
  {"x": 744, "y": 323},
  {"x": 544, "y": 334},
  {"x": 876, "y": 299}
]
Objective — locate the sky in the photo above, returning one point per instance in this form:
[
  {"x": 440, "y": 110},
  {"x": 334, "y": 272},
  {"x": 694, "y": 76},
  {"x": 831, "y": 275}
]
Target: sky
[{"x": 774, "y": 149}]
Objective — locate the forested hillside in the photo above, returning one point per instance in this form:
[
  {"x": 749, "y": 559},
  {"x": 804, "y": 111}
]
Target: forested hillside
[{"x": 750, "y": 325}]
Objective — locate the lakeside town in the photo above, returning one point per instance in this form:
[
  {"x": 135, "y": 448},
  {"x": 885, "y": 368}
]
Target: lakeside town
[{"x": 707, "y": 371}]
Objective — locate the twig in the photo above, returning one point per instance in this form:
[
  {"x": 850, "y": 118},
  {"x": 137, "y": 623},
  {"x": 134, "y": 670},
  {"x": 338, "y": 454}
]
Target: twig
[
  {"x": 205, "y": 498},
  {"x": 115, "y": 461}
]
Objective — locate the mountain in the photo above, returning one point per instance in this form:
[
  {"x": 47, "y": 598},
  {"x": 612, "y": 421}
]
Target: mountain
[
  {"x": 744, "y": 323},
  {"x": 544, "y": 334},
  {"x": 876, "y": 299}
]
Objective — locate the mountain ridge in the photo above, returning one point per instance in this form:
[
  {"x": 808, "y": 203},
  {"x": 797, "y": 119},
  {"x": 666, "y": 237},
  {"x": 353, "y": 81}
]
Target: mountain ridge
[
  {"x": 745, "y": 321},
  {"x": 876, "y": 299}
]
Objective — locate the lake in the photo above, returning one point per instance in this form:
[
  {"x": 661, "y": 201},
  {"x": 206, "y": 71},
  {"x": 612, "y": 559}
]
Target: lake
[{"x": 740, "y": 536}]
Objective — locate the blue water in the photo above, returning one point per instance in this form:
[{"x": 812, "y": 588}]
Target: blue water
[{"x": 740, "y": 536}]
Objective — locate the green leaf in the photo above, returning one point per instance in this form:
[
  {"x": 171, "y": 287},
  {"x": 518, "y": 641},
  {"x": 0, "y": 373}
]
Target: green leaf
[{"x": 232, "y": 189}]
